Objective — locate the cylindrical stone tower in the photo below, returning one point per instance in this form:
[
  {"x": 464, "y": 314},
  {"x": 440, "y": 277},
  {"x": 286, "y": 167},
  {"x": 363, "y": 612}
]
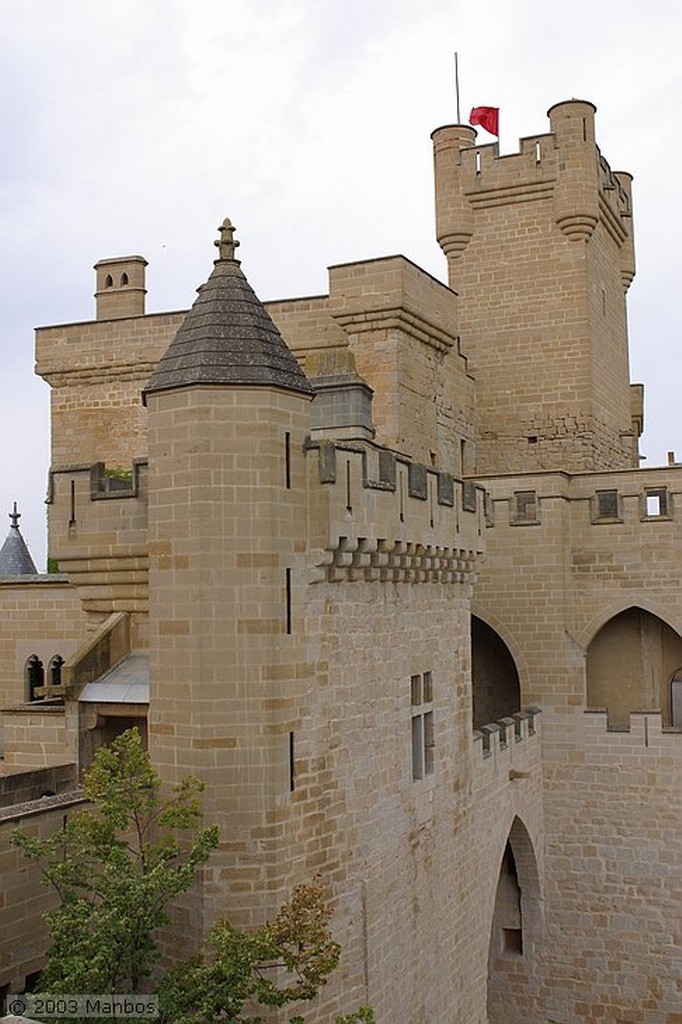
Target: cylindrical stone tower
[{"x": 228, "y": 415}]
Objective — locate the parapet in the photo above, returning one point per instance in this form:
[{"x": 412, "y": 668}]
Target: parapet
[
  {"x": 377, "y": 516},
  {"x": 507, "y": 758},
  {"x": 496, "y": 736},
  {"x": 645, "y": 734}
]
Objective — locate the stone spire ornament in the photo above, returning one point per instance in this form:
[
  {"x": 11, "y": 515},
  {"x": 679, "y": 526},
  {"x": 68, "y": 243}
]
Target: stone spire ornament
[{"x": 227, "y": 243}]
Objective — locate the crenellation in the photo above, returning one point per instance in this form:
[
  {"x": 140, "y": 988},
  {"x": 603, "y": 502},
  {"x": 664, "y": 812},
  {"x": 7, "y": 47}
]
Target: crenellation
[{"x": 423, "y": 508}]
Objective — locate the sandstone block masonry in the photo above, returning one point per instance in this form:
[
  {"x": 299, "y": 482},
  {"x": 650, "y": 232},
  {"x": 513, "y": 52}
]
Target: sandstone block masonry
[{"x": 384, "y": 571}]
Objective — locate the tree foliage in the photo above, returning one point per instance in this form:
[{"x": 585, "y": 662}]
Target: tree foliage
[
  {"x": 115, "y": 868},
  {"x": 284, "y": 961}
]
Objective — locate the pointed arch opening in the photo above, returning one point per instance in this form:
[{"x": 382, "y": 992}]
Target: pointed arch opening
[
  {"x": 496, "y": 692},
  {"x": 516, "y": 931},
  {"x": 34, "y": 678},
  {"x": 55, "y": 670},
  {"x": 630, "y": 666}
]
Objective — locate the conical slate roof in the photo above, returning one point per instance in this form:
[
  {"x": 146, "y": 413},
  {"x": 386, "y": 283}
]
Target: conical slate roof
[
  {"x": 15, "y": 558},
  {"x": 227, "y": 337}
]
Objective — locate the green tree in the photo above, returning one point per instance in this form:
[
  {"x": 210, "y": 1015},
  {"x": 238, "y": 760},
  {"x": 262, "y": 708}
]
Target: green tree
[
  {"x": 285, "y": 961},
  {"x": 115, "y": 868},
  {"x": 281, "y": 962}
]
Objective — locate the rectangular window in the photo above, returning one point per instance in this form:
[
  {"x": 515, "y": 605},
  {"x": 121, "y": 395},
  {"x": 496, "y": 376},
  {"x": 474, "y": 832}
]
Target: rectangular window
[
  {"x": 525, "y": 508},
  {"x": 417, "y": 747},
  {"x": 422, "y": 727},
  {"x": 608, "y": 504},
  {"x": 512, "y": 941},
  {"x": 605, "y": 505},
  {"x": 428, "y": 743},
  {"x": 655, "y": 503}
]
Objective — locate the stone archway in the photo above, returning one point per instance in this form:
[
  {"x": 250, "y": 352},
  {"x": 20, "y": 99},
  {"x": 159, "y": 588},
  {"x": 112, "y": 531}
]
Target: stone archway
[
  {"x": 496, "y": 691},
  {"x": 515, "y": 933},
  {"x": 629, "y": 665}
]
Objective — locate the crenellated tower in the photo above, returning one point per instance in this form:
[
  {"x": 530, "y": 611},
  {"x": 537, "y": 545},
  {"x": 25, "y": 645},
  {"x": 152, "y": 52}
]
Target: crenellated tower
[{"x": 540, "y": 250}]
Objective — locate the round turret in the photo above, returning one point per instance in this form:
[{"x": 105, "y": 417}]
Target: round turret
[
  {"x": 576, "y": 196},
  {"x": 454, "y": 216}
]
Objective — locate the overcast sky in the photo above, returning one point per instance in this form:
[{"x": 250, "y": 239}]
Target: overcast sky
[{"x": 136, "y": 126}]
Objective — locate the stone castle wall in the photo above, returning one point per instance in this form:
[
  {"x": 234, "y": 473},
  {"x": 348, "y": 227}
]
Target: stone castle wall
[
  {"x": 23, "y": 937},
  {"x": 613, "y": 809}
]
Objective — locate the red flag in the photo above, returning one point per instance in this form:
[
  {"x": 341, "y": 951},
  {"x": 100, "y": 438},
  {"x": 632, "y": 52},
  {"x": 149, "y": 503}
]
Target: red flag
[{"x": 487, "y": 117}]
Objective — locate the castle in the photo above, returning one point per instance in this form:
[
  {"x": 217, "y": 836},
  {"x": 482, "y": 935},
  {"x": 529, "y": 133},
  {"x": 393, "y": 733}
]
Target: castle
[{"x": 382, "y": 568}]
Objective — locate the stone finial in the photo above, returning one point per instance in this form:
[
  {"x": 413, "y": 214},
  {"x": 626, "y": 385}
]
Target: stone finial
[
  {"x": 15, "y": 517},
  {"x": 227, "y": 243}
]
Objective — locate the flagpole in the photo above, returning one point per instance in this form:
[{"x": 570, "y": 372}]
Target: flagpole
[{"x": 459, "y": 118}]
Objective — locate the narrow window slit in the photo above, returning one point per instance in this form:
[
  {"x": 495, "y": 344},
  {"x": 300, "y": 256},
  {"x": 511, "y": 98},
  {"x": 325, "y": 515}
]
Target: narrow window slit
[
  {"x": 292, "y": 768},
  {"x": 288, "y": 600},
  {"x": 287, "y": 460},
  {"x": 349, "y": 505}
]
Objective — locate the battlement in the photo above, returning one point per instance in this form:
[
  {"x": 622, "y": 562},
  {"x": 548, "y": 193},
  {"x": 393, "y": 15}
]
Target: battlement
[
  {"x": 645, "y": 736},
  {"x": 564, "y": 164},
  {"x": 507, "y": 753},
  {"x": 378, "y": 516},
  {"x": 496, "y": 736}
]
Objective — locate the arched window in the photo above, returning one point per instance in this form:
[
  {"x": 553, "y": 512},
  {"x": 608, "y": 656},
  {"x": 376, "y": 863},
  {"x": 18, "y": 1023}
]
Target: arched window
[
  {"x": 55, "y": 670},
  {"x": 124, "y": 278},
  {"x": 35, "y": 676},
  {"x": 108, "y": 281}
]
